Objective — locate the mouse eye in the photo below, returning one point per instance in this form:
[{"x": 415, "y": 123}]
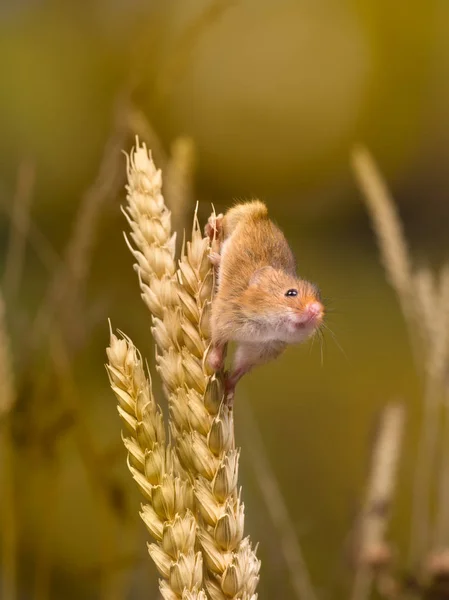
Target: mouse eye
[{"x": 291, "y": 292}]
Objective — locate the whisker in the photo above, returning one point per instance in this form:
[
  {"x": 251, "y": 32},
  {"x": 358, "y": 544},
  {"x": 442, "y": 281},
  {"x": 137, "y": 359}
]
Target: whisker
[
  {"x": 311, "y": 345},
  {"x": 334, "y": 337},
  {"x": 319, "y": 333}
]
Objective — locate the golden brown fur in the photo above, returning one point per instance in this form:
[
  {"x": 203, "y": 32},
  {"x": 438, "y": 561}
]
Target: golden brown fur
[{"x": 252, "y": 305}]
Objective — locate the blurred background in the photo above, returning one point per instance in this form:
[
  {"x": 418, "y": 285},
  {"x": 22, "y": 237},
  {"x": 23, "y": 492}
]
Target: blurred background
[{"x": 237, "y": 99}]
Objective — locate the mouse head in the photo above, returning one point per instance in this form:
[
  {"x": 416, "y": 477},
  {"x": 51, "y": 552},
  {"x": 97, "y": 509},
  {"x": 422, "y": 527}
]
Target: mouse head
[{"x": 291, "y": 307}]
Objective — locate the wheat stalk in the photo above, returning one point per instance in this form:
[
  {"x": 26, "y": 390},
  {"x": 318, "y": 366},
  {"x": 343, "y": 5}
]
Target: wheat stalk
[{"x": 203, "y": 457}]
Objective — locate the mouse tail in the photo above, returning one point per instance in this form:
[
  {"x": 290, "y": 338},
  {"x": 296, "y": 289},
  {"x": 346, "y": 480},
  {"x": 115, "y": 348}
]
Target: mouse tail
[{"x": 246, "y": 211}]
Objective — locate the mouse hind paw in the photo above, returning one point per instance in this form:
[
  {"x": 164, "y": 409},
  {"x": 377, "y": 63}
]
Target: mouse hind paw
[
  {"x": 216, "y": 357},
  {"x": 215, "y": 259}
]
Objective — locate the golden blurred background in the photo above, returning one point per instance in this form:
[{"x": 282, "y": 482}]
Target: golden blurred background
[{"x": 254, "y": 98}]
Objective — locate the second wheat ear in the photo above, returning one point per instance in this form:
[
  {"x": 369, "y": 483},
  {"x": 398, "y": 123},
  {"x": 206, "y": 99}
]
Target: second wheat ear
[{"x": 193, "y": 504}]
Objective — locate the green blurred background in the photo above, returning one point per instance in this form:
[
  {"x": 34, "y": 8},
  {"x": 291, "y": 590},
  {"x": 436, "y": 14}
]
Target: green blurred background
[{"x": 273, "y": 96}]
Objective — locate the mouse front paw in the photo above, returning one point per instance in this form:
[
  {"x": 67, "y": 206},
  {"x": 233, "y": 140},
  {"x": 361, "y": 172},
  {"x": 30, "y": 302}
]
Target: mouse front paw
[{"x": 214, "y": 227}]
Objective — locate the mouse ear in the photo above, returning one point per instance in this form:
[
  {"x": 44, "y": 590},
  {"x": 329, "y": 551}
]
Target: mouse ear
[{"x": 259, "y": 275}]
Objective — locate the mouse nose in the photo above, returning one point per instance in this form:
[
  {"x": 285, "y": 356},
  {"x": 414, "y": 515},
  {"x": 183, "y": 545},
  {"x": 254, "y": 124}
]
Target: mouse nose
[{"x": 313, "y": 311}]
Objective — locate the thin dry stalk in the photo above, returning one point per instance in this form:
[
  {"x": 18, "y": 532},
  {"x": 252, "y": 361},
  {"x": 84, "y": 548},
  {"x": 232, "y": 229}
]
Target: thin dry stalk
[
  {"x": 426, "y": 292},
  {"x": 68, "y": 281},
  {"x": 373, "y": 552},
  {"x": 179, "y": 181},
  {"x": 201, "y": 425},
  {"x": 7, "y": 386},
  {"x": 15, "y": 253},
  {"x": 103, "y": 489},
  {"x": 430, "y": 299},
  {"x": 420, "y": 302},
  {"x": 441, "y": 534},
  {"x": 277, "y": 509},
  {"x": 390, "y": 237},
  {"x": 35, "y": 237},
  {"x": 46, "y": 500},
  {"x": 8, "y": 519}
]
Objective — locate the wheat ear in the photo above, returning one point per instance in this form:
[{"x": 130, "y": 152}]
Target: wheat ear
[
  {"x": 201, "y": 424},
  {"x": 168, "y": 513}
]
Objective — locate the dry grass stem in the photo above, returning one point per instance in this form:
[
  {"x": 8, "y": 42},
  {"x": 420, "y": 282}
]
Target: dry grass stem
[
  {"x": 442, "y": 528},
  {"x": 50, "y": 498},
  {"x": 426, "y": 292},
  {"x": 373, "y": 551},
  {"x": 441, "y": 535},
  {"x": 388, "y": 228},
  {"x": 7, "y": 386},
  {"x": 204, "y": 459},
  {"x": 8, "y": 518},
  {"x": 105, "y": 491},
  {"x": 431, "y": 297},
  {"x": 275, "y": 503},
  {"x": 15, "y": 253},
  {"x": 424, "y": 299},
  {"x": 8, "y": 521},
  {"x": 35, "y": 237},
  {"x": 67, "y": 285}
]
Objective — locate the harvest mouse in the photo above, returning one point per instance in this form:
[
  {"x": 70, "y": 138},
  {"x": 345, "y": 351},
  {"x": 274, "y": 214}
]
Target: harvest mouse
[{"x": 261, "y": 303}]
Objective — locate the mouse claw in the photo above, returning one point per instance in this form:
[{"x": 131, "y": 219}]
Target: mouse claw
[{"x": 229, "y": 392}]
